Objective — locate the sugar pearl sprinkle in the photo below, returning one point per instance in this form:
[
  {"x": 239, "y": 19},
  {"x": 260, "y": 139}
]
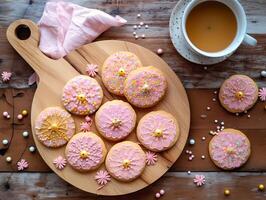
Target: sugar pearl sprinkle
[
  {"x": 192, "y": 141},
  {"x": 208, "y": 108},
  {"x": 159, "y": 51},
  {"x": 138, "y": 15},
  {"x": 8, "y": 159},
  {"x": 261, "y": 187},
  {"x": 32, "y": 149},
  {"x": 5, "y": 141},
  {"x": 24, "y": 112},
  {"x": 203, "y": 138},
  {"x": 25, "y": 134},
  {"x": 5, "y": 113},
  {"x": 157, "y": 195},
  {"x": 227, "y": 192},
  {"x": 263, "y": 73},
  {"x": 20, "y": 116},
  {"x": 203, "y": 157}
]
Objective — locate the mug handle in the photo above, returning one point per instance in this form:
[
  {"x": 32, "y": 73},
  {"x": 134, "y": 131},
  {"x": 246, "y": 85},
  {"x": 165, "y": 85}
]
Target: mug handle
[{"x": 248, "y": 40}]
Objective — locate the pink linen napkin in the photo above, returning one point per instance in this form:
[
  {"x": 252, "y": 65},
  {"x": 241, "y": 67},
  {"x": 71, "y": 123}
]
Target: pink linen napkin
[{"x": 65, "y": 26}]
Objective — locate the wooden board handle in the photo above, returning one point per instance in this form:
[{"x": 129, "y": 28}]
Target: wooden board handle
[{"x": 24, "y": 36}]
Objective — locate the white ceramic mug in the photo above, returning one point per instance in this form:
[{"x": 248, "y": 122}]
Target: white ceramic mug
[{"x": 241, "y": 35}]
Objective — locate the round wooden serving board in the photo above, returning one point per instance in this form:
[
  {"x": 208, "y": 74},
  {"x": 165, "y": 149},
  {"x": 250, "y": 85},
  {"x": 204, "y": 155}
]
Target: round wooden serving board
[{"x": 55, "y": 73}]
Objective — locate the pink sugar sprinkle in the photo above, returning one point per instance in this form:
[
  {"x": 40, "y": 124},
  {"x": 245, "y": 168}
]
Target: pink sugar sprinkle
[
  {"x": 85, "y": 126},
  {"x": 92, "y": 70},
  {"x": 22, "y": 164},
  {"x": 199, "y": 180},
  {"x": 262, "y": 94},
  {"x": 60, "y": 162},
  {"x": 151, "y": 158},
  {"x": 102, "y": 177},
  {"x": 6, "y": 76}
]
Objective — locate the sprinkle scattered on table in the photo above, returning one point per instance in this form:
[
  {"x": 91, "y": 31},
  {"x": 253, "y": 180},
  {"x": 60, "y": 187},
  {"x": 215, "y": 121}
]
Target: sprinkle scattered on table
[{"x": 22, "y": 165}]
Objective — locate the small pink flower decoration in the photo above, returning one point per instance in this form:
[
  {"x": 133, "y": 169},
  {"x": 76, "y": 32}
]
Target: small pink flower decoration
[
  {"x": 102, "y": 177},
  {"x": 199, "y": 180},
  {"x": 85, "y": 126},
  {"x": 151, "y": 158},
  {"x": 60, "y": 162},
  {"x": 92, "y": 70},
  {"x": 262, "y": 94},
  {"x": 88, "y": 119},
  {"x": 22, "y": 164},
  {"x": 6, "y": 76}
]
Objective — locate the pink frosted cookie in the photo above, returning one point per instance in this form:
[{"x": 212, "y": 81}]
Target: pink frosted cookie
[
  {"x": 145, "y": 87},
  {"x": 125, "y": 161},
  {"x": 54, "y": 127},
  {"x": 116, "y": 68},
  {"x": 85, "y": 151},
  {"x": 229, "y": 149},
  {"x": 238, "y": 93},
  {"x": 82, "y": 95},
  {"x": 115, "y": 120},
  {"x": 158, "y": 131}
]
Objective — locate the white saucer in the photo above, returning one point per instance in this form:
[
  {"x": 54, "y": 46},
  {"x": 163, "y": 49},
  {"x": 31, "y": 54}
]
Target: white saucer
[{"x": 178, "y": 39}]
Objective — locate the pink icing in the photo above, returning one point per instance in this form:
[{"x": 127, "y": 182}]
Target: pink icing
[
  {"x": 238, "y": 143},
  {"x": 239, "y": 84},
  {"x": 86, "y": 143},
  {"x": 123, "y": 151},
  {"x": 58, "y": 116},
  {"x": 148, "y": 125},
  {"x": 155, "y": 81},
  {"x": 60, "y": 162},
  {"x": 86, "y": 86},
  {"x": 111, "y": 78},
  {"x": 116, "y": 110},
  {"x": 151, "y": 158}
]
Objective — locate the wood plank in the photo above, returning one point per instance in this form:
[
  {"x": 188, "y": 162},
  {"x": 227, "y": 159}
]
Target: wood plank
[
  {"x": 154, "y": 12},
  {"x": 247, "y": 60},
  {"x": 254, "y": 127},
  {"x": 177, "y": 185}
]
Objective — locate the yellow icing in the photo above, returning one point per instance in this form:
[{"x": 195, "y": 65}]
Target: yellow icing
[
  {"x": 145, "y": 87},
  {"x": 84, "y": 154},
  {"x": 158, "y": 133},
  {"x": 230, "y": 150},
  {"x": 239, "y": 95},
  {"x": 126, "y": 163},
  {"x": 81, "y": 97},
  {"x": 121, "y": 72},
  {"x": 116, "y": 123}
]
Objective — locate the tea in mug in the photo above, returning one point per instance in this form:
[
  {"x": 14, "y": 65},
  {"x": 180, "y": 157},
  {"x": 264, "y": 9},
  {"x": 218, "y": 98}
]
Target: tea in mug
[{"x": 211, "y": 26}]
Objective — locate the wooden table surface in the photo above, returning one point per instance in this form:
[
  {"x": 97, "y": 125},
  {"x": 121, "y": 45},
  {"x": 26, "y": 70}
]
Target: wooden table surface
[{"x": 38, "y": 182}]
